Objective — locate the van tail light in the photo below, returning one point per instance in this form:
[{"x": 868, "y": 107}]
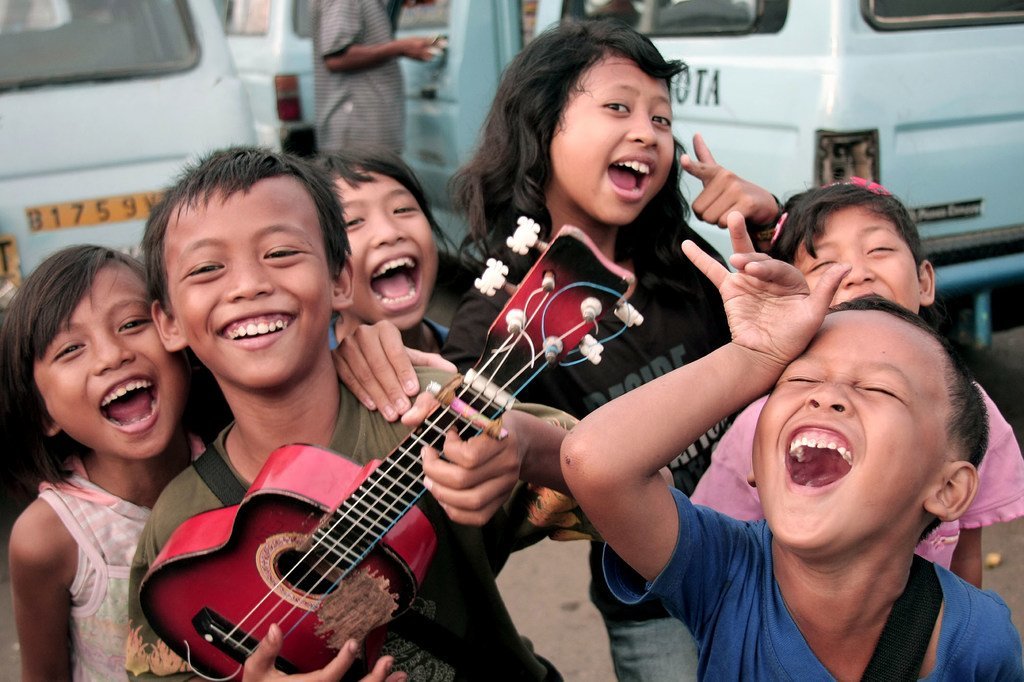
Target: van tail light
[
  {"x": 289, "y": 108},
  {"x": 841, "y": 156}
]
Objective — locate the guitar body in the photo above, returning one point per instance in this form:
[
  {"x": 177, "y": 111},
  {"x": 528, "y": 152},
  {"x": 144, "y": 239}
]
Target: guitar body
[{"x": 236, "y": 566}]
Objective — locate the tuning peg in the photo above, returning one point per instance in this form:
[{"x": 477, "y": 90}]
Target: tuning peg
[
  {"x": 552, "y": 349},
  {"x": 591, "y": 349},
  {"x": 516, "y": 320},
  {"x": 493, "y": 277},
  {"x": 629, "y": 315},
  {"x": 525, "y": 235},
  {"x": 590, "y": 307}
]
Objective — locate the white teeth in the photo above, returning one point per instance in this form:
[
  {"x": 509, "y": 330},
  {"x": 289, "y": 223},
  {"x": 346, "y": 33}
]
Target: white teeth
[
  {"x": 404, "y": 262},
  {"x": 123, "y": 390},
  {"x": 796, "y": 448},
  {"x": 254, "y": 329},
  {"x": 639, "y": 167}
]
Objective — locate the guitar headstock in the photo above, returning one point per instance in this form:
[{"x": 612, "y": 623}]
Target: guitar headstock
[{"x": 555, "y": 313}]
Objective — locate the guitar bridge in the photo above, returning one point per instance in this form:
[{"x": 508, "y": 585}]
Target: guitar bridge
[{"x": 217, "y": 630}]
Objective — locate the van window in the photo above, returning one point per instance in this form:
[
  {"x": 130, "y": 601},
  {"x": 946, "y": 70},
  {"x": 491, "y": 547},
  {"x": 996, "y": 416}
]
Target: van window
[
  {"x": 424, "y": 14},
  {"x": 301, "y": 21},
  {"x": 247, "y": 17},
  {"x": 62, "y": 41},
  {"x": 688, "y": 17},
  {"x": 892, "y": 15}
]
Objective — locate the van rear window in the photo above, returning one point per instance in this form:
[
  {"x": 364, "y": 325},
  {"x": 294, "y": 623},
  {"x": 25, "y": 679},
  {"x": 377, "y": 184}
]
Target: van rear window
[
  {"x": 688, "y": 17},
  {"x": 894, "y": 15},
  {"x": 59, "y": 41},
  {"x": 247, "y": 17}
]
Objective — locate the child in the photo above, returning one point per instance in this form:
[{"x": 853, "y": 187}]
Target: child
[
  {"x": 869, "y": 229},
  {"x": 861, "y": 448},
  {"x": 580, "y": 133},
  {"x": 392, "y": 234},
  {"x": 246, "y": 262},
  {"x": 79, "y": 333},
  {"x": 92, "y": 408}
]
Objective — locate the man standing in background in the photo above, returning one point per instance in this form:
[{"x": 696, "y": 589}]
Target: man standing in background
[{"x": 359, "y": 92}]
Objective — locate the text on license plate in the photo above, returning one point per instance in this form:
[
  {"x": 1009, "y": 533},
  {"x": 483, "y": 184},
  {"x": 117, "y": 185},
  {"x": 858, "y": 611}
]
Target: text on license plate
[{"x": 100, "y": 211}]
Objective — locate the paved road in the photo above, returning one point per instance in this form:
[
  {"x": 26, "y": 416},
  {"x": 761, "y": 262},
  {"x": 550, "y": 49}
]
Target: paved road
[{"x": 546, "y": 585}]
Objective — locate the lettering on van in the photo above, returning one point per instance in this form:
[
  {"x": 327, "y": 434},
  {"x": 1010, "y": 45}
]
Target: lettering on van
[
  {"x": 85, "y": 212},
  {"x": 698, "y": 87},
  {"x": 960, "y": 209}
]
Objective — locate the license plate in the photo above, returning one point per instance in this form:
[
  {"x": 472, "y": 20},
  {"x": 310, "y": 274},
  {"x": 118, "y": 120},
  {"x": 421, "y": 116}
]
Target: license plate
[
  {"x": 113, "y": 209},
  {"x": 10, "y": 264}
]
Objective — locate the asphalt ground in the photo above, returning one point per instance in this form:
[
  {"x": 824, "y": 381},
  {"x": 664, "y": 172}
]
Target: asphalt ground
[{"x": 545, "y": 586}]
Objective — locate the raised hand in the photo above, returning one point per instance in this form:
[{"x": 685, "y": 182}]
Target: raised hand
[
  {"x": 260, "y": 665},
  {"x": 770, "y": 308},
  {"x": 724, "y": 191}
]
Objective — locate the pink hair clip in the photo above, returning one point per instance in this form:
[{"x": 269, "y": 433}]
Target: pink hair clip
[
  {"x": 869, "y": 186},
  {"x": 778, "y": 228}
]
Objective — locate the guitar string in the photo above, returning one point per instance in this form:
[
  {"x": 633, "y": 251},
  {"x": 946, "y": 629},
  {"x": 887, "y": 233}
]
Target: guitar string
[
  {"x": 379, "y": 533},
  {"x": 270, "y": 612}
]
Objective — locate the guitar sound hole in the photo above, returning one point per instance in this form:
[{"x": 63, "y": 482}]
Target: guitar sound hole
[{"x": 307, "y": 572}]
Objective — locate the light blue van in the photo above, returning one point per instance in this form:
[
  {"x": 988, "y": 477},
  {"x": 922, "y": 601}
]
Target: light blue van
[
  {"x": 925, "y": 97},
  {"x": 272, "y": 46},
  {"x": 101, "y": 104}
]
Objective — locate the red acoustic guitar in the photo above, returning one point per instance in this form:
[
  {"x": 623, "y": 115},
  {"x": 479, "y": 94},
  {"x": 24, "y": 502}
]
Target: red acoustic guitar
[{"x": 328, "y": 549}]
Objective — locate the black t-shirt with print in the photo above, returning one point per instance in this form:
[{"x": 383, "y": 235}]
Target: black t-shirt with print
[{"x": 672, "y": 334}]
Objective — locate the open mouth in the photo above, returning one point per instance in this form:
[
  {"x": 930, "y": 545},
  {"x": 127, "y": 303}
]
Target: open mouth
[
  {"x": 255, "y": 327},
  {"x": 395, "y": 282},
  {"x": 630, "y": 176},
  {"x": 129, "y": 403},
  {"x": 818, "y": 458}
]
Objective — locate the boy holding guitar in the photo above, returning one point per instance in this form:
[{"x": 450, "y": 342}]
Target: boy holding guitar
[{"x": 246, "y": 262}]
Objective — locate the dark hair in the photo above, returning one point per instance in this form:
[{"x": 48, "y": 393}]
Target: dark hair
[
  {"x": 507, "y": 176},
  {"x": 808, "y": 211},
  {"x": 356, "y": 166},
  {"x": 967, "y": 428},
  {"x": 229, "y": 171},
  {"x": 40, "y": 310}
]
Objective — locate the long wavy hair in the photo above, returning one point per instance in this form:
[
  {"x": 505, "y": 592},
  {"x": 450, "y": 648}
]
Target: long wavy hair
[{"x": 510, "y": 170}]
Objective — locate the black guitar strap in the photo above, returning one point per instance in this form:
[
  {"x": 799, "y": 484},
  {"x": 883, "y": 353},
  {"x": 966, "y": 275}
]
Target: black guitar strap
[
  {"x": 412, "y": 626},
  {"x": 908, "y": 630},
  {"x": 215, "y": 472}
]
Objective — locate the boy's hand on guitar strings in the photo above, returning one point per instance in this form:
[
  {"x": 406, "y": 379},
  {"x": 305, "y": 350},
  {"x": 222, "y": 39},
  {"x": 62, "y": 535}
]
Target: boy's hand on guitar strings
[
  {"x": 260, "y": 665},
  {"x": 376, "y": 366},
  {"x": 770, "y": 309},
  {"x": 471, "y": 478}
]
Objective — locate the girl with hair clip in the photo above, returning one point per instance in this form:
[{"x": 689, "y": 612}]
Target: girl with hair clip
[
  {"x": 859, "y": 223},
  {"x": 580, "y": 133}
]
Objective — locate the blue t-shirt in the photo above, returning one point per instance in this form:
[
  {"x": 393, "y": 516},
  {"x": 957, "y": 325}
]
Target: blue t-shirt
[{"x": 723, "y": 588}]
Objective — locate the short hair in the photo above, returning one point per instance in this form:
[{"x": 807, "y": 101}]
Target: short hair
[
  {"x": 225, "y": 173},
  {"x": 967, "y": 429},
  {"x": 40, "y": 310},
  {"x": 356, "y": 165},
  {"x": 507, "y": 176}
]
